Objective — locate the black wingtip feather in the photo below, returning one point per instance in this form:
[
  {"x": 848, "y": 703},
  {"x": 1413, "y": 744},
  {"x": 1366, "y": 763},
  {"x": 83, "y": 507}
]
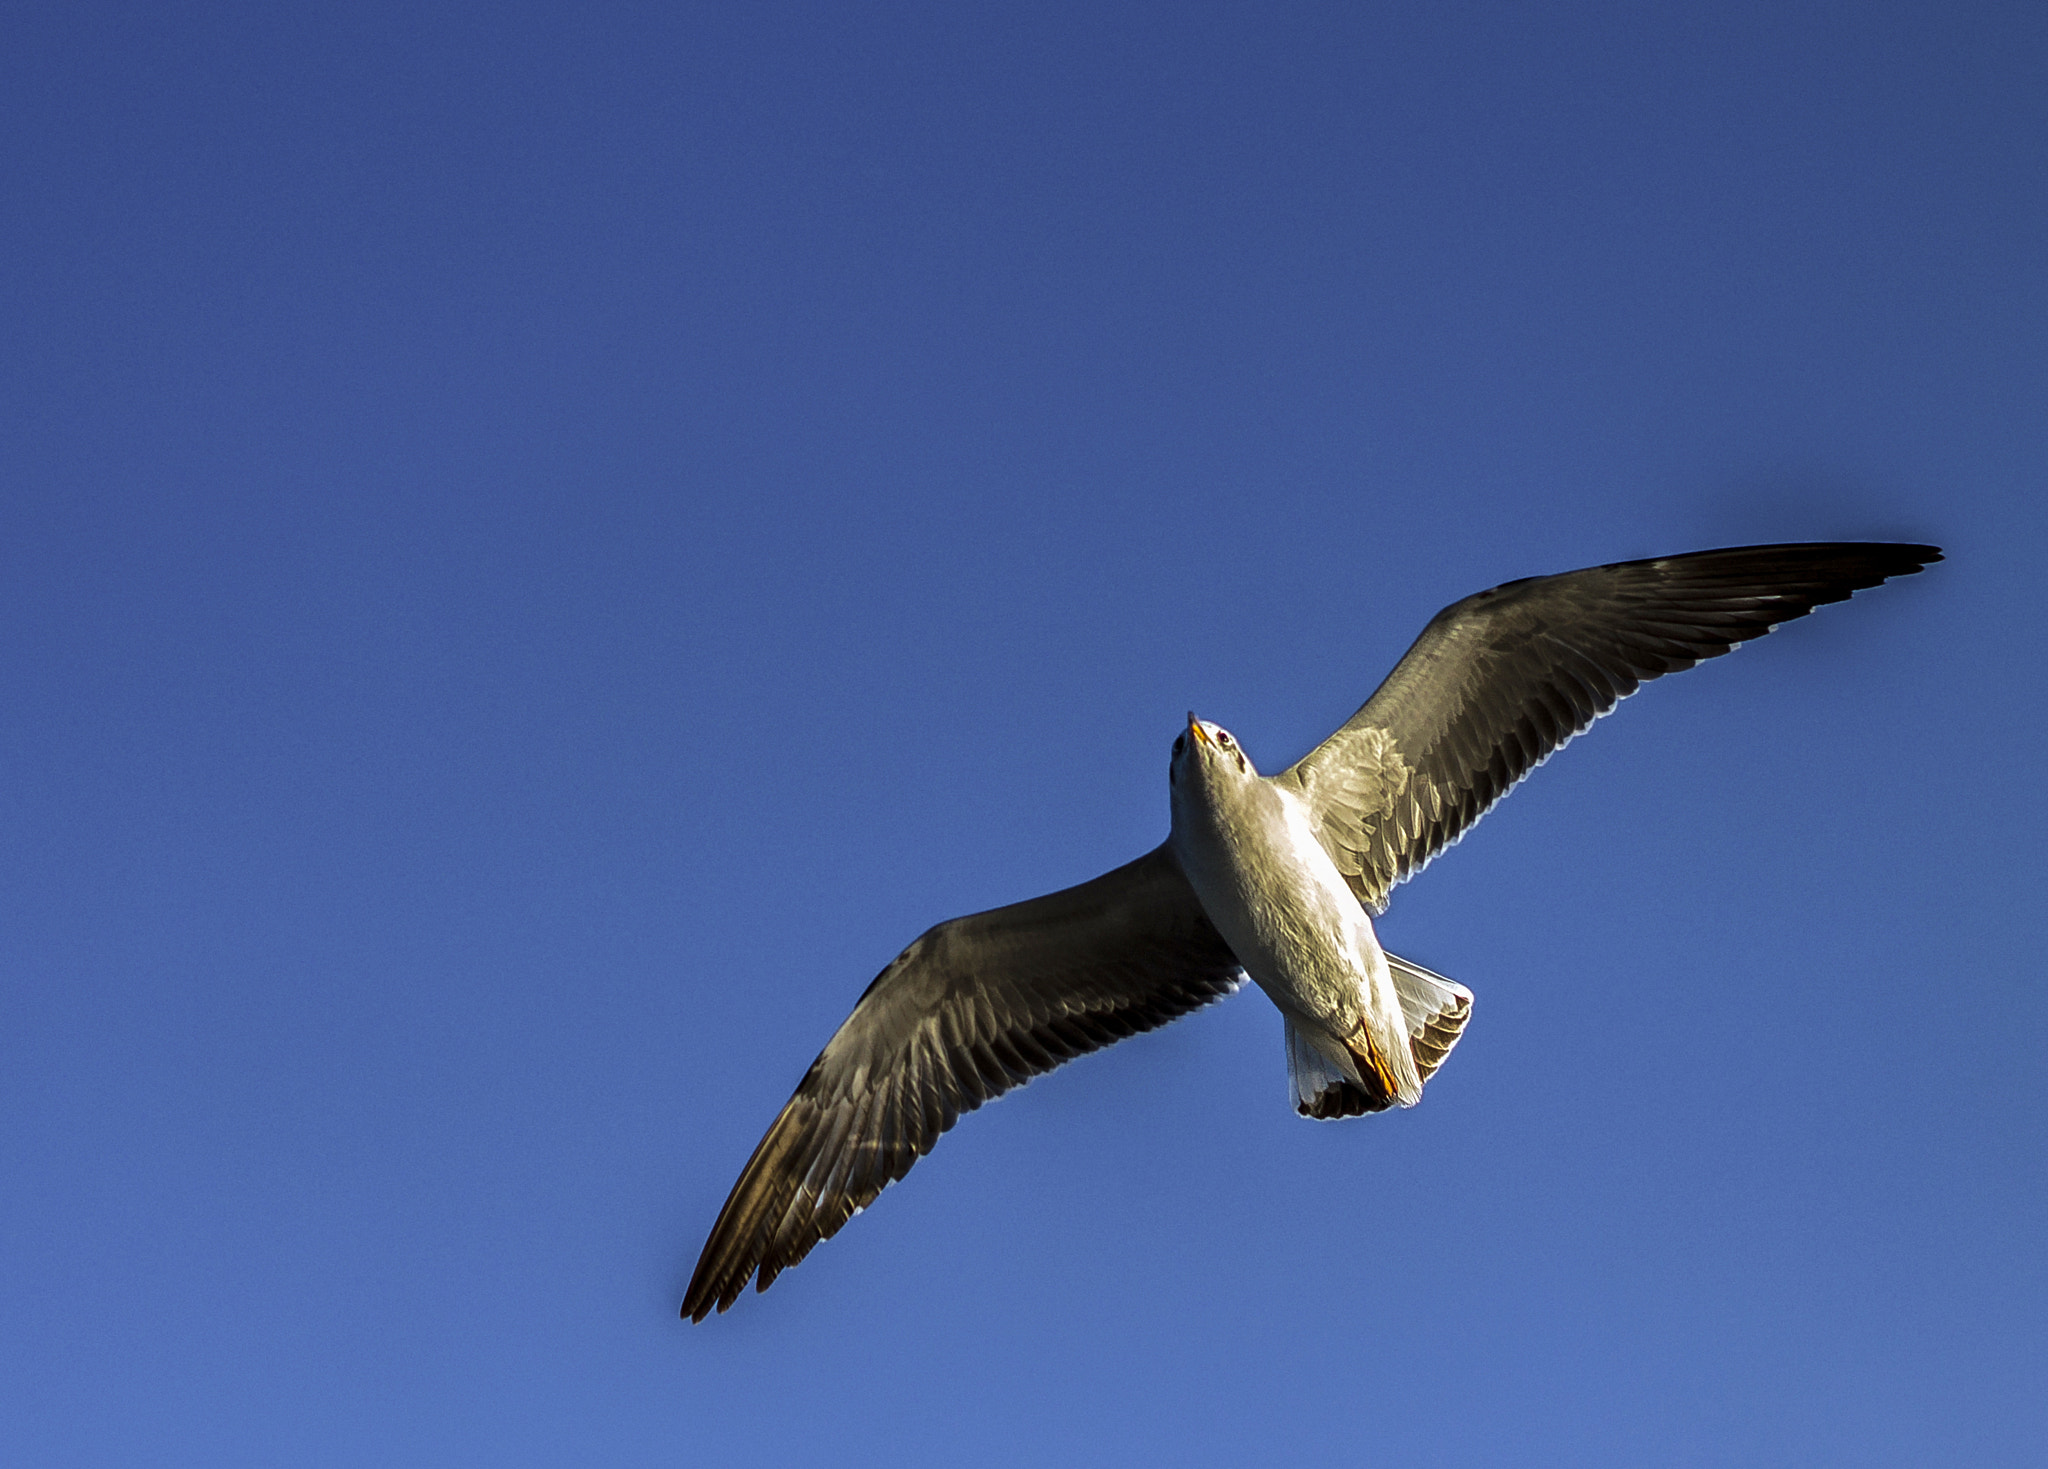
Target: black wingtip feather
[
  {"x": 973, "y": 1008},
  {"x": 1501, "y": 680}
]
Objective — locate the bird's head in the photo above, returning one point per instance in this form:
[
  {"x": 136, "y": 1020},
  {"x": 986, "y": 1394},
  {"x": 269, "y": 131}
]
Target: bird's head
[{"x": 1206, "y": 757}]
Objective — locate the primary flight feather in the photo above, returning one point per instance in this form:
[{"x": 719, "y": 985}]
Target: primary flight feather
[{"x": 1272, "y": 878}]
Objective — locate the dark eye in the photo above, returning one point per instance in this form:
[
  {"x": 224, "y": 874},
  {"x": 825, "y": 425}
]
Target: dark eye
[
  {"x": 1180, "y": 743},
  {"x": 1222, "y": 739}
]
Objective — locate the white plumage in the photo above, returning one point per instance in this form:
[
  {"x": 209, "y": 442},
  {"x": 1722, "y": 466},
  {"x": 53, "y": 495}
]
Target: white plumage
[{"x": 1274, "y": 877}]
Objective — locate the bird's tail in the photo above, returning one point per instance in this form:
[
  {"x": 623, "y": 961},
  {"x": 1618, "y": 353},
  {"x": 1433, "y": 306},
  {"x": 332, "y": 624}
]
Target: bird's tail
[
  {"x": 1435, "y": 1010},
  {"x": 1323, "y": 1087}
]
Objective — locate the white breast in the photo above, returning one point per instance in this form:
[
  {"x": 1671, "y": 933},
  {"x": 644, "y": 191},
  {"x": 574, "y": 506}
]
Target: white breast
[{"x": 1281, "y": 904}]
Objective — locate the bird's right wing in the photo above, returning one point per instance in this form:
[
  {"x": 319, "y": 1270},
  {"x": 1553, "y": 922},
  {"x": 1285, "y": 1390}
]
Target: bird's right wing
[
  {"x": 974, "y": 1007},
  {"x": 1499, "y": 681}
]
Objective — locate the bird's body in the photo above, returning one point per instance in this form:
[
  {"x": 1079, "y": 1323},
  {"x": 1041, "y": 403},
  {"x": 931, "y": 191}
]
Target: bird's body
[
  {"x": 1247, "y": 846},
  {"x": 1271, "y": 877}
]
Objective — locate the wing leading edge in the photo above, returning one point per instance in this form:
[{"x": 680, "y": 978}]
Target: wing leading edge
[
  {"x": 976, "y": 1006},
  {"x": 1500, "y": 681}
]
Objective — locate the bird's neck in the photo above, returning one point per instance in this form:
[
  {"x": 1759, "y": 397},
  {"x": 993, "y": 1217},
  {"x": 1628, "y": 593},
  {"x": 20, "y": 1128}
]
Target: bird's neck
[{"x": 1208, "y": 816}]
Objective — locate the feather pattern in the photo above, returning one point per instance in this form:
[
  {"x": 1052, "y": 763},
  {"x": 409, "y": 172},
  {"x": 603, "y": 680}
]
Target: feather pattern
[
  {"x": 1500, "y": 681},
  {"x": 976, "y": 1006}
]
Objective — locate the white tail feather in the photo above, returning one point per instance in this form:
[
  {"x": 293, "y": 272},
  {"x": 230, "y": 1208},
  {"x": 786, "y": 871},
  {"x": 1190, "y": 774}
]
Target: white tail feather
[
  {"x": 1311, "y": 1072},
  {"x": 1330, "y": 1086},
  {"x": 1436, "y": 1009}
]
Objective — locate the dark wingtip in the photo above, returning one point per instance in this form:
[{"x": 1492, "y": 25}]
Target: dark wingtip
[
  {"x": 1890, "y": 559},
  {"x": 711, "y": 1287},
  {"x": 1872, "y": 563},
  {"x": 701, "y": 1297},
  {"x": 1911, "y": 556},
  {"x": 698, "y": 1304}
]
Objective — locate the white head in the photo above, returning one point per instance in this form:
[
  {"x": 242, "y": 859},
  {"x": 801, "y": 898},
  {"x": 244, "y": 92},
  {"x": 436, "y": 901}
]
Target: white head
[{"x": 1207, "y": 762}]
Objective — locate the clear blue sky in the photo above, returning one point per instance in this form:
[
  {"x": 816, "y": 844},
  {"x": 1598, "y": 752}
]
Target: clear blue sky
[{"x": 540, "y": 545}]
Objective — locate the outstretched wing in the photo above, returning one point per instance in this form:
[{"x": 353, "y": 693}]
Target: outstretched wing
[
  {"x": 974, "y": 1007},
  {"x": 1500, "y": 680}
]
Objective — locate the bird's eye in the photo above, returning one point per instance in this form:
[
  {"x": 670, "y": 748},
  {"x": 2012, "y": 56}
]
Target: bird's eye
[
  {"x": 1223, "y": 739},
  {"x": 1180, "y": 742}
]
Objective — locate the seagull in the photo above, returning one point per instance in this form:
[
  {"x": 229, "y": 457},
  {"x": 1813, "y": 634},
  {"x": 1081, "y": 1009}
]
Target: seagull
[{"x": 1271, "y": 878}]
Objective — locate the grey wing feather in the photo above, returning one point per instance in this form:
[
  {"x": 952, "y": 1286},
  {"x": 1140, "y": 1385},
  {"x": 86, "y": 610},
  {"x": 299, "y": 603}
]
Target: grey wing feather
[
  {"x": 976, "y": 1006},
  {"x": 1499, "y": 681}
]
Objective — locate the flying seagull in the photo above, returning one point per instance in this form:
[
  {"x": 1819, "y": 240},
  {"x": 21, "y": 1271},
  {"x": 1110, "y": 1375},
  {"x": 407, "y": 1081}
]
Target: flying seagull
[{"x": 1272, "y": 878}]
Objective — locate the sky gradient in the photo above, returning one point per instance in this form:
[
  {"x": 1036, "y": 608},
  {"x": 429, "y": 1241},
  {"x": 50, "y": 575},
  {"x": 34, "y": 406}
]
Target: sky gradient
[{"x": 539, "y": 546}]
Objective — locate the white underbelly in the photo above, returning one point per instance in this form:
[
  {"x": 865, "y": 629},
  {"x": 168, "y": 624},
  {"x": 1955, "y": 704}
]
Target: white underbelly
[{"x": 1287, "y": 913}]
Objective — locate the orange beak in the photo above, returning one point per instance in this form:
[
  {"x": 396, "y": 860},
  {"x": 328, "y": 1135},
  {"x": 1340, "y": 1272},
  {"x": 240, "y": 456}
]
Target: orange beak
[{"x": 1194, "y": 728}]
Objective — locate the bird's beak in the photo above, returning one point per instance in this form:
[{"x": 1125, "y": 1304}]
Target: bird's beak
[{"x": 1195, "y": 728}]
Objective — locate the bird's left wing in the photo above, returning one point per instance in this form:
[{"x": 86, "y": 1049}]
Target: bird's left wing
[
  {"x": 974, "y": 1007},
  {"x": 1499, "y": 681}
]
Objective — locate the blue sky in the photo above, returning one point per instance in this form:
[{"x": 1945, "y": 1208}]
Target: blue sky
[{"x": 540, "y": 545}]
